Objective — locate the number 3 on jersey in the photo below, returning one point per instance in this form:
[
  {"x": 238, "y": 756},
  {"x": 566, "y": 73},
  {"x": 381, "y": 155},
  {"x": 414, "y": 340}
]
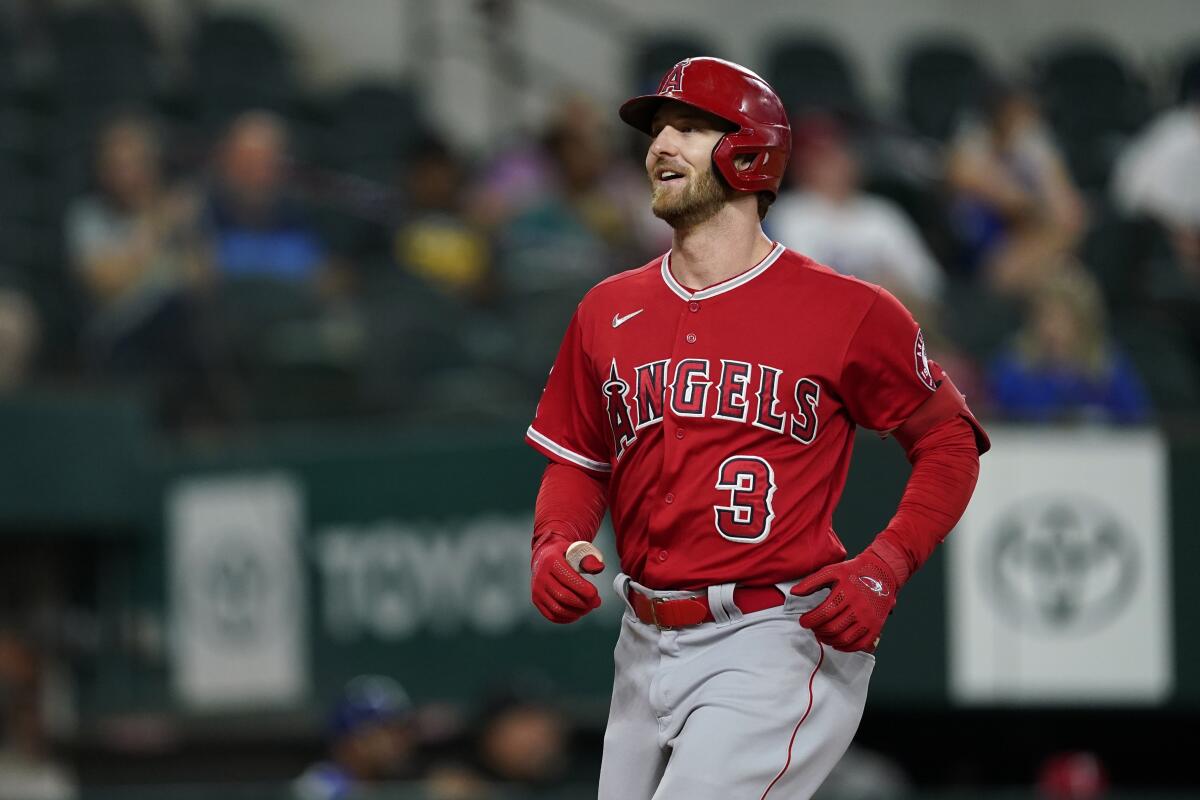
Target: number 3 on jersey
[{"x": 750, "y": 482}]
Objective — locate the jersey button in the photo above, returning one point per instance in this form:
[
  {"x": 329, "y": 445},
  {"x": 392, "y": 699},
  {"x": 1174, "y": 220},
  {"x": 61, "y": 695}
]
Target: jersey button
[
  {"x": 670, "y": 498},
  {"x": 691, "y": 338},
  {"x": 693, "y": 306},
  {"x": 662, "y": 555},
  {"x": 679, "y": 433}
]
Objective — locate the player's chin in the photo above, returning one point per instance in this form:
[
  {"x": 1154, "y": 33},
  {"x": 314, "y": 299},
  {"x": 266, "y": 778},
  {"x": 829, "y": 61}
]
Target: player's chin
[
  {"x": 668, "y": 202},
  {"x": 673, "y": 186}
]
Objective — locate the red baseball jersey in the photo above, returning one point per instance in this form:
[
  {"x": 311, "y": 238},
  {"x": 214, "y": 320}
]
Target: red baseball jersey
[{"x": 726, "y": 416}]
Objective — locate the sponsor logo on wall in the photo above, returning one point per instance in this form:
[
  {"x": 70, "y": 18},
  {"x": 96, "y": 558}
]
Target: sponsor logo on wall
[
  {"x": 1058, "y": 587},
  {"x": 1061, "y": 565},
  {"x": 237, "y": 592},
  {"x": 390, "y": 580}
]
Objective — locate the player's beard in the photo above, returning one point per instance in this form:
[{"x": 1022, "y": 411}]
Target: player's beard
[{"x": 699, "y": 201}]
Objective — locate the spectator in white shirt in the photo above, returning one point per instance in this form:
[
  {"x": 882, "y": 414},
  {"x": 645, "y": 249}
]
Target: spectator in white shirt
[
  {"x": 831, "y": 220},
  {"x": 1159, "y": 172},
  {"x": 1158, "y": 175}
]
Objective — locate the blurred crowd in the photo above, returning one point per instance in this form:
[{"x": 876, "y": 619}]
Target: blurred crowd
[
  {"x": 199, "y": 227},
  {"x": 523, "y": 742},
  {"x": 520, "y": 739}
]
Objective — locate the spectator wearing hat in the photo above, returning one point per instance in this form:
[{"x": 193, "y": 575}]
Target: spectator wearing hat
[{"x": 372, "y": 739}]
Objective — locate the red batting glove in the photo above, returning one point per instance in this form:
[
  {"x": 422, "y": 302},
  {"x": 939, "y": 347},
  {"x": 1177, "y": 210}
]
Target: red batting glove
[
  {"x": 559, "y": 592},
  {"x": 862, "y": 592}
]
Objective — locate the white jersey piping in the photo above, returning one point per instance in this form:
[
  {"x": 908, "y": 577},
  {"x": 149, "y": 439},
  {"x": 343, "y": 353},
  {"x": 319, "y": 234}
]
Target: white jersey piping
[
  {"x": 569, "y": 455},
  {"x": 720, "y": 288}
]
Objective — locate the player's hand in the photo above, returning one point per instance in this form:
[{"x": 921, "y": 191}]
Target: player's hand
[
  {"x": 559, "y": 592},
  {"x": 862, "y": 592}
]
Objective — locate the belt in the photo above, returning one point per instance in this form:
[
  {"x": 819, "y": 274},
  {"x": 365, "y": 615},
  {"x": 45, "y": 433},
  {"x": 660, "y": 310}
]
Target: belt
[{"x": 681, "y": 612}]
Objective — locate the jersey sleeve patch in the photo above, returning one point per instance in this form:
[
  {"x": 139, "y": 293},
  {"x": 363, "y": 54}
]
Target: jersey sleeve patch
[{"x": 921, "y": 360}]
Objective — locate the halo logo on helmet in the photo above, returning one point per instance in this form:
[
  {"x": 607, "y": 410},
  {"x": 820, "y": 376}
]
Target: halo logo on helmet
[
  {"x": 673, "y": 80},
  {"x": 741, "y": 98}
]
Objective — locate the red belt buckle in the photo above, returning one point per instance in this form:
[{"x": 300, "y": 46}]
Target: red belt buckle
[
  {"x": 653, "y": 606},
  {"x": 655, "y": 602},
  {"x": 670, "y": 613}
]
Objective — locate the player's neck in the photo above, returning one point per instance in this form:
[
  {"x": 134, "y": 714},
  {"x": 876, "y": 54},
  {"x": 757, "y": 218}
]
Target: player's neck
[{"x": 726, "y": 245}]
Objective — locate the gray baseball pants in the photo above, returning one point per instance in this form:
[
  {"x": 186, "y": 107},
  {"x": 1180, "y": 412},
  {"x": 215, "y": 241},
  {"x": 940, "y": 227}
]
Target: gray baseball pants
[{"x": 749, "y": 707}]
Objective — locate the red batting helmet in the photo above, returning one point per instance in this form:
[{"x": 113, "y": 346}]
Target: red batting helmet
[{"x": 741, "y": 98}]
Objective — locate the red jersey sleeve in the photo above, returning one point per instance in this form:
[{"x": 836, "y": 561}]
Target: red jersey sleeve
[
  {"x": 569, "y": 423},
  {"x": 886, "y": 374}
]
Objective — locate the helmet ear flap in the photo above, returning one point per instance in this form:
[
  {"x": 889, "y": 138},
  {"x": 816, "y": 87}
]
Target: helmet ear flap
[
  {"x": 722, "y": 158},
  {"x": 762, "y": 171}
]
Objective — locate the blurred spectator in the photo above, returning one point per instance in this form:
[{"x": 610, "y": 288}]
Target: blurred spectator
[
  {"x": 436, "y": 241},
  {"x": 831, "y": 220},
  {"x": 1158, "y": 174},
  {"x": 19, "y": 333},
  {"x": 453, "y": 781},
  {"x": 256, "y": 227},
  {"x": 523, "y": 742},
  {"x": 567, "y": 211},
  {"x": 27, "y": 769},
  {"x": 1063, "y": 366},
  {"x": 372, "y": 740},
  {"x": 1016, "y": 207},
  {"x": 1072, "y": 776},
  {"x": 133, "y": 246}
]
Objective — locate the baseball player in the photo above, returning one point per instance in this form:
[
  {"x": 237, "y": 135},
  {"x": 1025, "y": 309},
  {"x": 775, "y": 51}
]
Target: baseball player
[{"x": 709, "y": 400}]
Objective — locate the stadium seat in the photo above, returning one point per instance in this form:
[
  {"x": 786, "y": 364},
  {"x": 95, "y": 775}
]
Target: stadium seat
[
  {"x": 473, "y": 396},
  {"x": 371, "y": 126},
  {"x": 238, "y": 63},
  {"x": 1159, "y": 350},
  {"x": 106, "y": 57},
  {"x": 101, "y": 26},
  {"x": 940, "y": 79},
  {"x": 1188, "y": 83},
  {"x": 413, "y": 331},
  {"x": 10, "y": 83},
  {"x": 536, "y": 337},
  {"x": 19, "y": 248},
  {"x": 654, "y": 56},
  {"x": 1093, "y": 101},
  {"x": 1120, "y": 252},
  {"x": 978, "y": 320},
  {"x": 20, "y": 134},
  {"x": 22, "y": 197},
  {"x": 812, "y": 73},
  {"x": 69, "y": 158}
]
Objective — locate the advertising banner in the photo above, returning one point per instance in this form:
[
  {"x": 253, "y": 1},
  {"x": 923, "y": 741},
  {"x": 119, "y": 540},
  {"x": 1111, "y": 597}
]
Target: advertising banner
[
  {"x": 238, "y": 608},
  {"x": 1057, "y": 578}
]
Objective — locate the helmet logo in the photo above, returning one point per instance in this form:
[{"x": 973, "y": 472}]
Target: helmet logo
[{"x": 673, "y": 82}]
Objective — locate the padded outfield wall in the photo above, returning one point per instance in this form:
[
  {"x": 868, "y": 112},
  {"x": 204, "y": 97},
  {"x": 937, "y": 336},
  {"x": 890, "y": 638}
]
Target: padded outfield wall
[{"x": 274, "y": 570}]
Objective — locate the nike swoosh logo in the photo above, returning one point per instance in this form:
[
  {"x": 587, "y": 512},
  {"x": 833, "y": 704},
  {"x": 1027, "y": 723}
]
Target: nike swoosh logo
[{"x": 618, "y": 320}]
